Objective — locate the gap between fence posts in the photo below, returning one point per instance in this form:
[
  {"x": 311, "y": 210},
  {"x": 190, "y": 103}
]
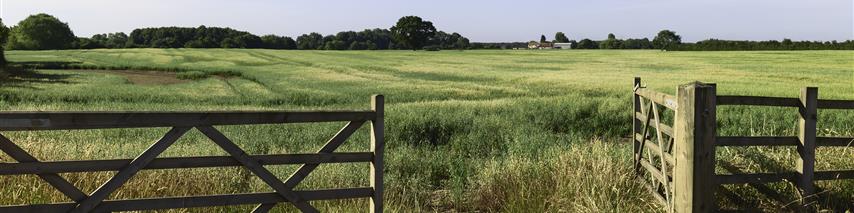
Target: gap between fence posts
[{"x": 694, "y": 149}]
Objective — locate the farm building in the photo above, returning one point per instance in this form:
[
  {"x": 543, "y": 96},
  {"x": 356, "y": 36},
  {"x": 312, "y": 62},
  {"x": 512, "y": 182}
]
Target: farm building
[
  {"x": 549, "y": 45},
  {"x": 538, "y": 45},
  {"x": 563, "y": 46}
]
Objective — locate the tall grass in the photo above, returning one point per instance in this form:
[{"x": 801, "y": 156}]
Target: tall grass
[{"x": 488, "y": 131}]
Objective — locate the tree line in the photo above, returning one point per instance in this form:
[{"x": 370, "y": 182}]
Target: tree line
[
  {"x": 786, "y": 44},
  {"x": 669, "y": 40},
  {"x": 44, "y": 32}
]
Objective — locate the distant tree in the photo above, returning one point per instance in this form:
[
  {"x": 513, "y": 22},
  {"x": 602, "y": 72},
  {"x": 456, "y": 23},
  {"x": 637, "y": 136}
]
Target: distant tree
[
  {"x": 462, "y": 43},
  {"x": 310, "y": 41},
  {"x": 335, "y": 45},
  {"x": 542, "y": 39},
  {"x": 116, "y": 40},
  {"x": 110, "y": 40},
  {"x": 666, "y": 40},
  {"x": 443, "y": 40},
  {"x": 376, "y": 39},
  {"x": 573, "y": 44},
  {"x": 587, "y": 44},
  {"x": 86, "y": 43},
  {"x": 4, "y": 35},
  {"x": 561, "y": 38},
  {"x": 41, "y": 32},
  {"x": 611, "y": 43},
  {"x": 277, "y": 42},
  {"x": 787, "y": 44},
  {"x": 412, "y": 32},
  {"x": 636, "y": 44},
  {"x": 358, "y": 46}
]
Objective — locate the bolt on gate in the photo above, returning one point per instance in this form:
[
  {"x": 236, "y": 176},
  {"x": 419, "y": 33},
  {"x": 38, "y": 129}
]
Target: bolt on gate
[
  {"x": 180, "y": 123},
  {"x": 679, "y": 156}
]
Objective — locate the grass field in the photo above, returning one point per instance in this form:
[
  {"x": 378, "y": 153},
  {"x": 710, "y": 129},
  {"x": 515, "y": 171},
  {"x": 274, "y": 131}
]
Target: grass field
[{"x": 509, "y": 131}]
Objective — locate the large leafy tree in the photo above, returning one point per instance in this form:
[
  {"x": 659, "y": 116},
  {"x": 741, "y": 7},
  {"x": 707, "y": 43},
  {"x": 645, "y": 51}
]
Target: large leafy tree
[
  {"x": 4, "y": 34},
  {"x": 412, "y": 32},
  {"x": 666, "y": 40},
  {"x": 561, "y": 38},
  {"x": 41, "y": 32}
]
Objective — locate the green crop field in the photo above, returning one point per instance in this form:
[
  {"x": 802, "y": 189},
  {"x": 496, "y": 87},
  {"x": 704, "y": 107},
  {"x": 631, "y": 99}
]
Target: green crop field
[{"x": 507, "y": 131}]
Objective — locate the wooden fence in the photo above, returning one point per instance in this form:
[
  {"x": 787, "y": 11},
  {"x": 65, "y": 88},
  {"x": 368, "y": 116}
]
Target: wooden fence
[
  {"x": 180, "y": 123},
  {"x": 679, "y": 156}
]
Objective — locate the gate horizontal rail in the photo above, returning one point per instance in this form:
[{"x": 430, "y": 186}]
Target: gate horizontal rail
[
  {"x": 180, "y": 123},
  {"x": 28, "y": 121}
]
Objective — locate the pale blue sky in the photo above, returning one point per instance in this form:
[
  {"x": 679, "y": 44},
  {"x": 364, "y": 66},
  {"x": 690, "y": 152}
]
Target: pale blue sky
[{"x": 497, "y": 20}]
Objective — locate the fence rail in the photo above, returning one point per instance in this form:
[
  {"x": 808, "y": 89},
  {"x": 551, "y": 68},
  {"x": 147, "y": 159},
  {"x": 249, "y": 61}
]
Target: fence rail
[
  {"x": 694, "y": 129},
  {"x": 180, "y": 123}
]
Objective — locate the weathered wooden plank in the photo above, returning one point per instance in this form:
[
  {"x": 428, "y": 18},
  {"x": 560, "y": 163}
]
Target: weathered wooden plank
[
  {"x": 668, "y": 157},
  {"x": 656, "y": 173},
  {"x": 130, "y": 170},
  {"x": 637, "y": 127},
  {"x": 196, "y": 201},
  {"x": 834, "y": 141},
  {"x": 20, "y": 155},
  {"x": 252, "y": 165},
  {"x": 694, "y": 181},
  {"x": 805, "y": 164},
  {"x": 645, "y": 134},
  {"x": 665, "y": 100},
  {"x": 836, "y": 104},
  {"x": 180, "y": 162},
  {"x": 329, "y": 147},
  {"x": 834, "y": 175},
  {"x": 263, "y": 208},
  {"x": 378, "y": 147},
  {"x": 16, "y": 121},
  {"x": 661, "y": 143},
  {"x": 664, "y": 128},
  {"x": 757, "y": 141},
  {"x": 757, "y": 101},
  {"x": 755, "y": 178},
  {"x": 655, "y": 194}
]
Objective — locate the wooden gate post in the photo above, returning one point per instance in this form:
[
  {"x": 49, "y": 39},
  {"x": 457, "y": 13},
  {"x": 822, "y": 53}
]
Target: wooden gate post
[
  {"x": 636, "y": 124},
  {"x": 377, "y": 147},
  {"x": 695, "y": 132},
  {"x": 806, "y": 149}
]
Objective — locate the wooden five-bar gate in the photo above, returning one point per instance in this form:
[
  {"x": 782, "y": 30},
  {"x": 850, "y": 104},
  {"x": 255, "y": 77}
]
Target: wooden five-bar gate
[
  {"x": 180, "y": 123},
  {"x": 679, "y": 156}
]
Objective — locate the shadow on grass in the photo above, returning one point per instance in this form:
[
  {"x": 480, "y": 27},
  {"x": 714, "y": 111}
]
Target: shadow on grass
[
  {"x": 823, "y": 199},
  {"x": 44, "y": 64},
  {"x": 21, "y": 74}
]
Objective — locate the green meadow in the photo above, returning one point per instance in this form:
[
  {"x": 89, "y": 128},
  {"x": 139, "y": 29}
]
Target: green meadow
[{"x": 466, "y": 131}]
